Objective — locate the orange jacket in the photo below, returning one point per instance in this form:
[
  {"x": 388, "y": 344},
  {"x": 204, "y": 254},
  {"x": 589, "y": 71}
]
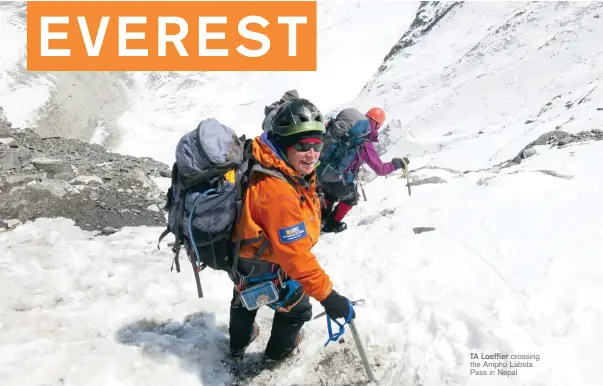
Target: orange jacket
[{"x": 288, "y": 216}]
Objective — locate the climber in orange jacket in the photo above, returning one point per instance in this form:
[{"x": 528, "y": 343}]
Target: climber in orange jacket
[{"x": 282, "y": 214}]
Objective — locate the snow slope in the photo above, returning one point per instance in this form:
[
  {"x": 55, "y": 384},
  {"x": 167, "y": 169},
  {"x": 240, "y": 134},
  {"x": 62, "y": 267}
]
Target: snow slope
[
  {"x": 508, "y": 73},
  {"x": 144, "y": 114},
  {"x": 350, "y": 49},
  {"x": 513, "y": 265}
]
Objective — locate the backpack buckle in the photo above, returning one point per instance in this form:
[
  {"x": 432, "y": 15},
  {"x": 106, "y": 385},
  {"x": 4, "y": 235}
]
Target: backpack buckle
[{"x": 280, "y": 275}]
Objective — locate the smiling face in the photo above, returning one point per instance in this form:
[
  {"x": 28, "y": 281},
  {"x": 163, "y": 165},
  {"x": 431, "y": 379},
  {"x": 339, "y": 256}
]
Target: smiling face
[{"x": 304, "y": 155}]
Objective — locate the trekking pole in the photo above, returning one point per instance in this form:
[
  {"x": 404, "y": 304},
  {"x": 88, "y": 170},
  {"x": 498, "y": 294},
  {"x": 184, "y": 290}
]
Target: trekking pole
[{"x": 360, "y": 347}]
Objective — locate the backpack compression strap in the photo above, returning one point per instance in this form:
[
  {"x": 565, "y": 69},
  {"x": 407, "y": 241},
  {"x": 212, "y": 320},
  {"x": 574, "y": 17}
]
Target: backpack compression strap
[
  {"x": 177, "y": 230},
  {"x": 175, "y": 249}
]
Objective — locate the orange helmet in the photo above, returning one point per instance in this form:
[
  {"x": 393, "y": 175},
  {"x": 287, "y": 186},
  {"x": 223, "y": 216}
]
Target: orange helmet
[{"x": 377, "y": 114}]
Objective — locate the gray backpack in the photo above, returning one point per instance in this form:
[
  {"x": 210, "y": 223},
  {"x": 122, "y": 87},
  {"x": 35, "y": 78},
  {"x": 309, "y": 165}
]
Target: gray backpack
[
  {"x": 204, "y": 202},
  {"x": 270, "y": 112}
]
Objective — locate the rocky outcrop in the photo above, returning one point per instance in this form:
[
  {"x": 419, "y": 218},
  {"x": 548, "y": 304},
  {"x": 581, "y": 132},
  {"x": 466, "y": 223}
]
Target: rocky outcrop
[
  {"x": 3, "y": 121},
  {"x": 555, "y": 138},
  {"x": 429, "y": 14},
  {"x": 58, "y": 177},
  {"x": 427, "y": 181}
]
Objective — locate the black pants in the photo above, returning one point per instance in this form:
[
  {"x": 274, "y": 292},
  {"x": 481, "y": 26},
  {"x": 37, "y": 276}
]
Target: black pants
[
  {"x": 335, "y": 192},
  {"x": 285, "y": 327},
  {"x": 340, "y": 192}
]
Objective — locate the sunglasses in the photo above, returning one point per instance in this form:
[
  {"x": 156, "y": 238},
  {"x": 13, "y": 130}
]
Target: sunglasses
[{"x": 306, "y": 146}]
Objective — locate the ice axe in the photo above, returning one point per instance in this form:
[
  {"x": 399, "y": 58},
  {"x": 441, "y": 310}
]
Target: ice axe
[
  {"x": 406, "y": 174},
  {"x": 357, "y": 340},
  {"x": 360, "y": 347}
]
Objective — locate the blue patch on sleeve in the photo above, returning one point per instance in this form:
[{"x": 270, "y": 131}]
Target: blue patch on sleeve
[{"x": 292, "y": 233}]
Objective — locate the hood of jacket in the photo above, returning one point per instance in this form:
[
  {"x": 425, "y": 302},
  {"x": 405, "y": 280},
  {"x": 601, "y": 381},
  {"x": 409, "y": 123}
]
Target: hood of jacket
[{"x": 269, "y": 157}]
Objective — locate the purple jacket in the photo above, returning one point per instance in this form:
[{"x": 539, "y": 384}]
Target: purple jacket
[{"x": 368, "y": 154}]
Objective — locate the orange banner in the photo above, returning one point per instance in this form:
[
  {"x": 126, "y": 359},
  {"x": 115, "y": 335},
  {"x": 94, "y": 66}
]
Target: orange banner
[{"x": 171, "y": 35}]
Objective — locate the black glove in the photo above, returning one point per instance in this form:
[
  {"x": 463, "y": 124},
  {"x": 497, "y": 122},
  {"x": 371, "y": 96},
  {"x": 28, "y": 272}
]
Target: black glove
[
  {"x": 399, "y": 162},
  {"x": 338, "y": 306}
]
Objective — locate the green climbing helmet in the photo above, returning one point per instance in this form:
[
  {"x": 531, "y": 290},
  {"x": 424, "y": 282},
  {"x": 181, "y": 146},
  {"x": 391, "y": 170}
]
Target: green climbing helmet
[{"x": 297, "y": 116}]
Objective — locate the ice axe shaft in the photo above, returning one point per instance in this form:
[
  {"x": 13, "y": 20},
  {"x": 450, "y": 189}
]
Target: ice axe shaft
[
  {"x": 357, "y": 341},
  {"x": 407, "y": 175},
  {"x": 360, "y": 347}
]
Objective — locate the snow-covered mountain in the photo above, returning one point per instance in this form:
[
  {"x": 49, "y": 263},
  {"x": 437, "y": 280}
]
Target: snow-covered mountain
[
  {"x": 499, "y": 108},
  {"x": 491, "y": 77},
  {"x": 144, "y": 114}
]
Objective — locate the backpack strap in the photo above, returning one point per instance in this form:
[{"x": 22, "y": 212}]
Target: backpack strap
[
  {"x": 265, "y": 244},
  {"x": 241, "y": 183},
  {"x": 175, "y": 248},
  {"x": 177, "y": 230},
  {"x": 247, "y": 169},
  {"x": 196, "y": 270}
]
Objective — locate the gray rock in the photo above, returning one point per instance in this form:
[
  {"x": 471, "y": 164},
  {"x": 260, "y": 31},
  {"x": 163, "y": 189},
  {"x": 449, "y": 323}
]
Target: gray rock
[
  {"x": 97, "y": 189},
  {"x": 65, "y": 176},
  {"x": 419, "y": 230},
  {"x": 6, "y": 141},
  {"x": 4, "y": 123},
  {"x": 87, "y": 180},
  {"x": 12, "y": 223},
  {"x": 94, "y": 196},
  {"x": 529, "y": 153},
  {"x": 428, "y": 180},
  {"x": 109, "y": 231},
  {"x": 51, "y": 166},
  {"x": 23, "y": 217},
  {"x": 153, "y": 208},
  {"x": 55, "y": 187},
  {"x": 9, "y": 159},
  {"x": 555, "y": 138},
  {"x": 566, "y": 140},
  {"x": 14, "y": 180}
]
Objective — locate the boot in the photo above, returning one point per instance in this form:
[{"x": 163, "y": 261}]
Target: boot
[
  {"x": 334, "y": 226},
  {"x": 325, "y": 213},
  {"x": 238, "y": 353},
  {"x": 268, "y": 360}
]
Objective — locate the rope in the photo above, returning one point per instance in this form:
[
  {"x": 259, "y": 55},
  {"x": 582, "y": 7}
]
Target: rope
[{"x": 334, "y": 337}]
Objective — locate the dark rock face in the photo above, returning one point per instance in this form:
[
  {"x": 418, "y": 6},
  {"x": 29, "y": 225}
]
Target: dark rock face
[
  {"x": 429, "y": 14},
  {"x": 556, "y": 138},
  {"x": 58, "y": 177},
  {"x": 428, "y": 180}
]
